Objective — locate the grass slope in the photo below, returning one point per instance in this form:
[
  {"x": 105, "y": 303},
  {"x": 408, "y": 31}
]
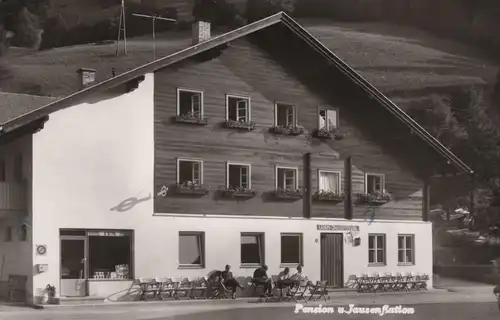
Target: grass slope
[{"x": 397, "y": 60}]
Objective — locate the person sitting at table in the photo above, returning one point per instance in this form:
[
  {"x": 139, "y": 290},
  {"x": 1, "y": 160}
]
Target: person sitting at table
[
  {"x": 229, "y": 281},
  {"x": 260, "y": 278},
  {"x": 297, "y": 277},
  {"x": 284, "y": 279}
]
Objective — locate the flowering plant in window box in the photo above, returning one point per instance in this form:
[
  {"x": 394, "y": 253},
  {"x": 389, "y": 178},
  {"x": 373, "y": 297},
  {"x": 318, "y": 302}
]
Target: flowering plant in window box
[
  {"x": 245, "y": 125},
  {"x": 323, "y": 195},
  {"x": 190, "y": 187},
  {"x": 287, "y": 131},
  {"x": 238, "y": 192},
  {"x": 377, "y": 197},
  {"x": 192, "y": 118},
  {"x": 329, "y": 134},
  {"x": 290, "y": 194}
]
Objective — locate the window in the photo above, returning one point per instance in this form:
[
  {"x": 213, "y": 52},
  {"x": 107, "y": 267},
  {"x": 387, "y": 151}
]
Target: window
[
  {"x": 18, "y": 168},
  {"x": 328, "y": 119},
  {"x": 189, "y": 171},
  {"x": 252, "y": 248},
  {"x": 238, "y": 175},
  {"x": 286, "y": 178},
  {"x": 8, "y": 234},
  {"x": 285, "y": 115},
  {"x": 3, "y": 174},
  {"x": 238, "y": 108},
  {"x": 406, "y": 251},
  {"x": 191, "y": 249},
  {"x": 374, "y": 183},
  {"x": 376, "y": 249},
  {"x": 291, "y": 248},
  {"x": 101, "y": 244},
  {"x": 329, "y": 181},
  {"x": 189, "y": 102}
]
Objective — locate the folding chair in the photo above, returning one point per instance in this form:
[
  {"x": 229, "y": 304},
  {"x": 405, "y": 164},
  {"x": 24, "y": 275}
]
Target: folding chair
[
  {"x": 399, "y": 282},
  {"x": 422, "y": 281},
  {"x": 319, "y": 289},
  {"x": 376, "y": 281},
  {"x": 352, "y": 282},
  {"x": 165, "y": 288},
  {"x": 219, "y": 290},
  {"x": 390, "y": 282},
  {"x": 413, "y": 281},
  {"x": 182, "y": 288},
  {"x": 298, "y": 291},
  {"x": 367, "y": 283},
  {"x": 255, "y": 285},
  {"x": 407, "y": 281},
  {"x": 360, "y": 279},
  {"x": 199, "y": 285},
  {"x": 149, "y": 287}
]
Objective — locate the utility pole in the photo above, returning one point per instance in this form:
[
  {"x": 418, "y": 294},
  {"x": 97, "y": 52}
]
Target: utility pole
[
  {"x": 153, "y": 19},
  {"x": 122, "y": 27}
]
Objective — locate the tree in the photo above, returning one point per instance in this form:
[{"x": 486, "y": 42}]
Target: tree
[
  {"x": 464, "y": 122},
  {"x": 20, "y": 22}
]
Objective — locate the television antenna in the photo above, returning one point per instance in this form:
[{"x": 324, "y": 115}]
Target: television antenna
[
  {"x": 153, "y": 19},
  {"x": 122, "y": 27}
]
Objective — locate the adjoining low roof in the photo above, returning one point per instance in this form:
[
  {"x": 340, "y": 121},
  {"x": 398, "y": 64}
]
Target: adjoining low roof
[
  {"x": 217, "y": 41},
  {"x": 14, "y": 105}
]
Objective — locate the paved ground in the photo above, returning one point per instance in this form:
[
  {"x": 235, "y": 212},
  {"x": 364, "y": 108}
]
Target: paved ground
[{"x": 431, "y": 305}]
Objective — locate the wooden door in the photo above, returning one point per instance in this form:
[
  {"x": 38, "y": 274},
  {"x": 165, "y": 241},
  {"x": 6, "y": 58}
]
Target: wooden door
[{"x": 332, "y": 259}]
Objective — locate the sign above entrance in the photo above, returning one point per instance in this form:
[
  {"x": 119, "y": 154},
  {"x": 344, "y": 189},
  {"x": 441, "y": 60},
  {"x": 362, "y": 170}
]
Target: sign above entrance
[
  {"x": 329, "y": 227},
  {"x": 106, "y": 234}
]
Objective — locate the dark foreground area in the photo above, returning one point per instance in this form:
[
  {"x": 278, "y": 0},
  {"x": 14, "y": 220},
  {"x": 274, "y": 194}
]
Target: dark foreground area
[{"x": 455, "y": 311}]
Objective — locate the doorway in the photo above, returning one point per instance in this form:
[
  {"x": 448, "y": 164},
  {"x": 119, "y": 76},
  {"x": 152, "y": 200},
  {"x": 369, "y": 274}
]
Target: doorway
[
  {"x": 74, "y": 266},
  {"x": 332, "y": 259}
]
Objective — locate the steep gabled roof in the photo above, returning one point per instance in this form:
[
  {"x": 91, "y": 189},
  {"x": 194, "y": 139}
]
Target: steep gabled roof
[{"x": 217, "y": 41}]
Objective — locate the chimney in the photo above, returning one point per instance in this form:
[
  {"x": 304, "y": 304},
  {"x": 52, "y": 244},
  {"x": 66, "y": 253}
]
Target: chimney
[
  {"x": 87, "y": 77},
  {"x": 201, "y": 31}
]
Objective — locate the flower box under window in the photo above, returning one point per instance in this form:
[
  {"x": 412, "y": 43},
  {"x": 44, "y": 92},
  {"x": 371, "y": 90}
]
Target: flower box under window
[
  {"x": 288, "y": 194},
  {"x": 377, "y": 198},
  {"x": 329, "y": 196},
  {"x": 238, "y": 193},
  {"x": 287, "y": 131},
  {"x": 331, "y": 134},
  {"x": 192, "y": 118},
  {"x": 191, "y": 188},
  {"x": 242, "y": 125}
]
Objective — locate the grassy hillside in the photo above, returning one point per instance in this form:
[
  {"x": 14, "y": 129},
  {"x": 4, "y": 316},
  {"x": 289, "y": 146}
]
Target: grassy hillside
[{"x": 404, "y": 64}]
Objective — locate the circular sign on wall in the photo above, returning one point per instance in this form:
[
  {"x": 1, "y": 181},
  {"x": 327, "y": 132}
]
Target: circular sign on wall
[{"x": 41, "y": 250}]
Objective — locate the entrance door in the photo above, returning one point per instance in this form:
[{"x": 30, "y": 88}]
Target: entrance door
[
  {"x": 73, "y": 266},
  {"x": 332, "y": 263}
]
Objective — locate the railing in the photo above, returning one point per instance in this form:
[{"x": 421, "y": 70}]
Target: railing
[{"x": 13, "y": 196}]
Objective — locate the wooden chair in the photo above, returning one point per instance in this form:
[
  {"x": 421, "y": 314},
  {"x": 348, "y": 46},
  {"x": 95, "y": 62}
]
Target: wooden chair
[
  {"x": 148, "y": 287},
  {"x": 165, "y": 288},
  {"x": 319, "y": 289},
  {"x": 199, "y": 285},
  {"x": 298, "y": 292}
]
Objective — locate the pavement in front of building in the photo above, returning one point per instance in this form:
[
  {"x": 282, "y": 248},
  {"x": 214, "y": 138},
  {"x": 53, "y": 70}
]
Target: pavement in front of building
[{"x": 433, "y": 302}]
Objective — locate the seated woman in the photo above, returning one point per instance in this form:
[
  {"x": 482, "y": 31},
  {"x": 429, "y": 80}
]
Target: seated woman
[{"x": 229, "y": 281}]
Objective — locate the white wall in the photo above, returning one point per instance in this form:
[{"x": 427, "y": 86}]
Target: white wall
[
  {"x": 15, "y": 256},
  {"x": 222, "y": 245},
  {"x": 87, "y": 160}
]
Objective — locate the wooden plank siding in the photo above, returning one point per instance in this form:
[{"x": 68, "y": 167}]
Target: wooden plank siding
[{"x": 245, "y": 69}]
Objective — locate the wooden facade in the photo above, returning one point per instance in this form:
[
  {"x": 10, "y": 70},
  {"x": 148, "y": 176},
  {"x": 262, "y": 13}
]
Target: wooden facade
[{"x": 269, "y": 67}]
